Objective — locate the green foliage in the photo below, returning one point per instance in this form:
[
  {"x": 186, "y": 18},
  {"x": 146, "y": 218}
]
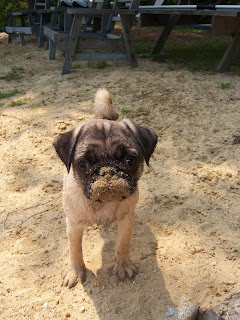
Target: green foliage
[
  {"x": 13, "y": 74},
  {"x": 101, "y": 64},
  {"x": 17, "y": 103},
  {"x": 124, "y": 111},
  {"x": 197, "y": 50},
  {"x": 97, "y": 64},
  {"x": 8, "y": 6},
  {"x": 4, "y": 95},
  {"x": 225, "y": 85}
]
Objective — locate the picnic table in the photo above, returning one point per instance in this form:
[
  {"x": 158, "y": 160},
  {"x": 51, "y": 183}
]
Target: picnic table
[
  {"x": 126, "y": 17},
  {"x": 90, "y": 37},
  {"x": 74, "y": 42},
  {"x": 64, "y": 29},
  {"x": 179, "y": 11},
  {"x": 28, "y": 22}
]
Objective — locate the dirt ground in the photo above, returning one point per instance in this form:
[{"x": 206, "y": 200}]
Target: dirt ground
[{"x": 186, "y": 240}]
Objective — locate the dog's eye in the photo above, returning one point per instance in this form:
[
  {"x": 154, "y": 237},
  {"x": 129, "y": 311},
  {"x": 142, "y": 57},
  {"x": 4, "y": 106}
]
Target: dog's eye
[
  {"x": 131, "y": 161},
  {"x": 83, "y": 165}
]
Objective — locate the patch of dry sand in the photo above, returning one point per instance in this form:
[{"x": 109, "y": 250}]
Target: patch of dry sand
[{"x": 186, "y": 240}]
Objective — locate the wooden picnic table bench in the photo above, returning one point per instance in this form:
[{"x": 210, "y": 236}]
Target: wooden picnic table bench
[
  {"x": 30, "y": 22},
  {"x": 90, "y": 42},
  {"x": 157, "y": 13}
]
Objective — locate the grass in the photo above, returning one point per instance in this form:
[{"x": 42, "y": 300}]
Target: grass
[
  {"x": 196, "y": 56},
  {"x": 13, "y": 74},
  {"x": 124, "y": 111},
  {"x": 97, "y": 64},
  {"x": 16, "y": 103},
  {"x": 194, "y": 50},
  {"x": 225, "y": 85},
  {"x": 4, "y": 95}
]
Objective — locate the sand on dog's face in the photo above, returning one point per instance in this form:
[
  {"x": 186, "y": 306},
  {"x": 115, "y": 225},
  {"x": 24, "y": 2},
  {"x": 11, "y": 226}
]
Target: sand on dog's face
[{"x": 110, "y": 188}]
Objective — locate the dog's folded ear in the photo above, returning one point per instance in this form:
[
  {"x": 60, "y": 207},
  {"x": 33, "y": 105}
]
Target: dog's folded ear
[
  {"x": 65, "y": 144},
  {"x": 145, "y": 137}
]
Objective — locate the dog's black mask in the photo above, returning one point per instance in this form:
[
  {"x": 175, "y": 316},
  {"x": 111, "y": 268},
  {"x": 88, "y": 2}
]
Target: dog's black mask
[{"x": 108, "y": 181}]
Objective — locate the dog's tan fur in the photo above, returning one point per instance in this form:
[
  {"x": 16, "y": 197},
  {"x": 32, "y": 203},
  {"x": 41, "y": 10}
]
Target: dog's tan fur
[
  {"x": 103, "y": 106},
  {"x": 80, "y": 209},
  {"x": 80, "y": 213}
]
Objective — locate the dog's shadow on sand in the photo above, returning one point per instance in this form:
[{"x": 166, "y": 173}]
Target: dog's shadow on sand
[{"x": 144, "y": 297}]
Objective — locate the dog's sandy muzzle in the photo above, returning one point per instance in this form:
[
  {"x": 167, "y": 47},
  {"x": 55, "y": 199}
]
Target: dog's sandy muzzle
[{"x": 111, "y": 185}]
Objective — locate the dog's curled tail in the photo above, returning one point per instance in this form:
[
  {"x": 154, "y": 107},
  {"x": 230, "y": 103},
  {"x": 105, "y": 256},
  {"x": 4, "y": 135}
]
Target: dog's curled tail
[{"x": 103, "y": 105}]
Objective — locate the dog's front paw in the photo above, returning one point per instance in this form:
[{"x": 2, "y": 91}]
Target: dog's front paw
[
  {"x": 72, "y": 277},
  {"x": 125, "y": 270}
]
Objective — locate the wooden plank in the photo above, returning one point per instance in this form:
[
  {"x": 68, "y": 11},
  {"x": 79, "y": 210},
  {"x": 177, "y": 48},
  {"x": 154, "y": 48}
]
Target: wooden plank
[
  {"x": 223, "y": 13},
  {"x": 96, "y": 12},
  {"x": 22, "y": 13},
  {"x": 52, "y": 33},
  {"x": 86, "y": 41},
  {"x": 162, "y": 20},
  {"x": 71, "y": 46},
  {"x": 61, "y": 42},
  {"x": 225, "y": 25},
  {"x": 100, "y": 56},
  {"x": 25, "y": 30},
  {"x": 41, "y": 38},
  {"x": 60, "y": 39},
  {"x": 231, "y": 52},
  {"x": 49, "y": 32},
  {"x": 128, "y": 38},
  {"x": 101, "y": 44}
]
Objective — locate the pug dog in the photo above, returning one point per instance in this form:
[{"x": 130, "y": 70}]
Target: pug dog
[{"x": 104, "y": 160}]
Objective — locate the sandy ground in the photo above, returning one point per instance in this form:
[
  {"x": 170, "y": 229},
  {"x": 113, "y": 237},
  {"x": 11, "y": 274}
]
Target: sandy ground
[{"x": 186, "y": 239}]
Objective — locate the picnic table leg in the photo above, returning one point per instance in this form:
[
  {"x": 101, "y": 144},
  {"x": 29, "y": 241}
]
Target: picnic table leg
[
  {"x": 51, "y": 50},
  {"x": 72, "y": 43},
  {"x": 165, "y": 34},
  {"x": 21, "y": 35},
  {"x": 173, "y": 19},
  {"x": 41, "y": 36},
  {"x": 10, "y": 37},
  {"x": 21, "y": 39},
  {"x": 231, "y": 52},
  {"x": 127, "y": 22}
]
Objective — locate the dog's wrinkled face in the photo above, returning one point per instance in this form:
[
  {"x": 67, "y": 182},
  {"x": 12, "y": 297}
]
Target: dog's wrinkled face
[
  {"x": 106, "y": 157},
  {"x": 107, "y": 163}
]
